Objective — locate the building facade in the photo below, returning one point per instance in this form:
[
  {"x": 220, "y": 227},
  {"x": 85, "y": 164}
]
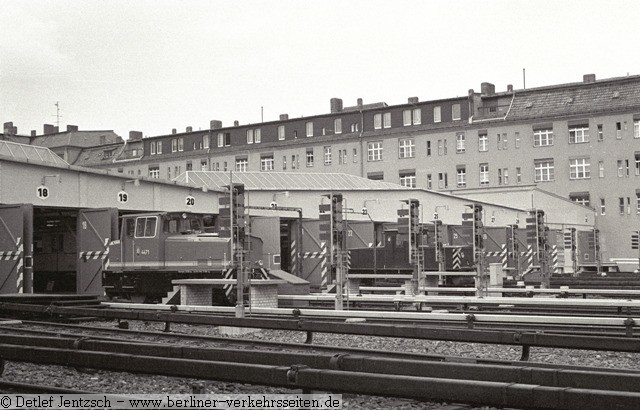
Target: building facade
[{"x": 579, "y": 141}]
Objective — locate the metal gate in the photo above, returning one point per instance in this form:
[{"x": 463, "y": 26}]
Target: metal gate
[
  {"x": 96, "y": 228},
  {"x": 16, "y": 248}
]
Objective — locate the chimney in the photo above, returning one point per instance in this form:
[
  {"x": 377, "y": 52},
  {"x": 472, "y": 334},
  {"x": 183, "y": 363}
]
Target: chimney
[
  {"x": 33, "y": 133},
  {"x": 173, "y": 130},
  {"x": 135, "y": 135},
  {"x": 509, "y": 88},
  {"x": 72, "y": 128},
  {"x": 284, "y": 117},
  {"x": 189, "y": 129},
  {"x": 49, "y": 129},
  {"x": 360, "y": 103},
  {"x": 487, "y": 89},
  {"x": 589, "y": 78},
  {"x": 215, "y": 124},
  {"x": 413, "y": 100},
  {"x": 336, "y": 105},
  {"x": 472, "y": 103},
  {"x": 236, "y": 123},
  {"x": 8, "y": 126}
]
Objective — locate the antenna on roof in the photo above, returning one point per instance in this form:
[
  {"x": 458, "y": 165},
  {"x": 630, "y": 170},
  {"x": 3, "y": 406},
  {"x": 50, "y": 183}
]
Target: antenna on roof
[
  {"x": 524, "y": 79},
  {"x": 58, "y": 115}
]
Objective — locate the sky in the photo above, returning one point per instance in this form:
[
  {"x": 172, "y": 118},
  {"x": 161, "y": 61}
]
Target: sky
[{"x": 152, "y": 66}]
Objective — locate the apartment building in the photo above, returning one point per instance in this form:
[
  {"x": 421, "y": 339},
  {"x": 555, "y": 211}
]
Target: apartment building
[{"x": 580, "y": 141}]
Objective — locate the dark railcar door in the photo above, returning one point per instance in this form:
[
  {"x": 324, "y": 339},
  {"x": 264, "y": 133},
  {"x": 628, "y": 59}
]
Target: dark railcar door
[{"x": 96, "y": 228}]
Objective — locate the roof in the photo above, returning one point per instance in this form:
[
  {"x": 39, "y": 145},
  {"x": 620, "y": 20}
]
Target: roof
[
  {"x": 286, "y": 181},
  {"x": 616, "y": 94},
  {"x": 76, "y": 139},
  {"x": 30, "y": 153},
  {"x": 98, "y": 155}
]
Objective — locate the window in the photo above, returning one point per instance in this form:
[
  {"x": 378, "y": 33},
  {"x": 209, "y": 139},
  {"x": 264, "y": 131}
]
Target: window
[
  {"x": 205, "y": 141},
  {"x": 242, "y": 164},
  {"x": 159, "y": 147},
  {"x": 621, "y": 205},
  {"x": 355, "y": 155},
  {"x": 443, "y": 181},
  {"x": 636, "y": 128},
  {"x": 178, "y": 170},
  {"x": 309, "y": 157},
  {"x": 484, "y": 174},
  {"x": 504, "y": 141},
  {"x": 444, "y": 143},
  {"x": 618, "y": 130},
  {"x": 225, "y": 166},
  {"x": 460, "y": 143},
  {"x": 327, "y": 155},
  {"x": 386, "y": 120},
  {"x": 628, "y": 206},
  {"x": 257, "y": 136},
  {"x": 284, "y": 162},
  {"x": 154, "y": 172},
  {"x": 439, "y": 147},
  {"x": 626, "y": 167},
  {"x": 455, "y": 112},
  {"x": 203, "y": 165},
  {"x": 638, "y": 202},
  {"x": 499, "y": 176},
  {"x": 601, "y": 169},
  {"x": 224, "y": 139},
  {"x": 602, "y": 206},
  {"x": 579, "y": 168},
  {"x": 429, "y": 182},
  {"x": 461, "y": 176},
  {"x": 146, "y": 226},
  {"x": 406, "y": 118},
  {"x": 505, "y": 175},
  {"x": 343, "y": 156},
  {"x": 266, "y": 163},
  {"x": 436, "y": 114},
  {"x": 309, "y": 128},
  {"x": 189, "y": 166},
  {"x": 417, "y": 116},
  {"x": 249, "y": 136},
  {"x": 337, "y": 126},
  {"x": 408, "y": 179},
  {"x": 543, "y": 137},
  {"x": 281, "y": 133},
  {"x": 377, "y": 121},
  {"x": 620, "y": 168},
  {"x": 637, "y": 158},
  {"x": 174, "y": 145},
  {"x": 355, "y": 127},
  {"x": 406, "y": 148},
  {"x": 180, "y": 144},
  {"x": 294, "y": 162},
  {"x": 518, "y": 175},
  {"x": 168, "y": 172},
  {"x": 499, "y": 141},
  {"x": 483, "y": 141},
  {"x": 578, "y": 134},
  {"x": 517, "y": 140},
  {"x": 375, "y": 176},
  {"x": 580, "y": 197},
  {"x": 428, "y": 148},
  {"x": 374, "y": 151},
  {"x": 544, "y": 170},
  {"x": 600, "y": 133}
]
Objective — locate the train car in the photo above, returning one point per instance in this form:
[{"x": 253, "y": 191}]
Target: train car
[{"x": 156, "y": 248}]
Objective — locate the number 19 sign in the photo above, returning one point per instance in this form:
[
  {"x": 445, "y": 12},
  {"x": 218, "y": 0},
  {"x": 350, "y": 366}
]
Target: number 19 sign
[{"x": 123, "y": 197}]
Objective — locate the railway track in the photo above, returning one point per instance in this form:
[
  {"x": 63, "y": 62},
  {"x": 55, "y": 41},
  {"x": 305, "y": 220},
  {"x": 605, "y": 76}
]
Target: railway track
[{"x": 497, "y": 384}]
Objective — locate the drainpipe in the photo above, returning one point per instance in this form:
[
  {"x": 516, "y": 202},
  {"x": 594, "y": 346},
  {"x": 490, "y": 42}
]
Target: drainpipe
[{"x": 361, "y": 143}]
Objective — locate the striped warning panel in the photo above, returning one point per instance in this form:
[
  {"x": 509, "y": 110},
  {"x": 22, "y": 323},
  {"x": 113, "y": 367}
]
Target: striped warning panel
[
  {"x": 554, "y": 259},
  {"x": 456, "y": 259},
  {"x": 294, "y": 258},
  {"x": 95, "y": 255},
  {"x": 324, "y": 271},
  {"x": 19, "y": 270},
  {"x": 228, "y": 274}
]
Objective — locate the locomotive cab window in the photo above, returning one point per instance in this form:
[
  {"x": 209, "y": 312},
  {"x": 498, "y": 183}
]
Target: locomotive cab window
[
  {"x": 129, "y": 227},
  {"x": 146, "y": 227}
]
